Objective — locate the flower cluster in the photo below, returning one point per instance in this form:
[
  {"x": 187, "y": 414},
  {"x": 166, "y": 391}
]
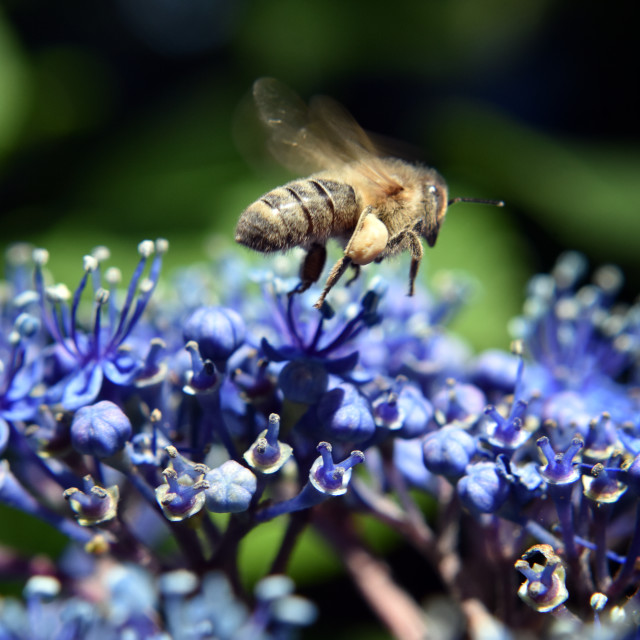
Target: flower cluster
[
  {"x": 192, "y": 607},
  {"x": 131, "y": 422}
]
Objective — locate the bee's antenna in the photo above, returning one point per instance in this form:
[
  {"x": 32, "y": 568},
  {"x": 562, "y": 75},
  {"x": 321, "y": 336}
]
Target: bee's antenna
[{"x": 495, "y": 203}]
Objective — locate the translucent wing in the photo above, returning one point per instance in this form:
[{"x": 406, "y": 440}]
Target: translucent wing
[{"x": 321, "y": 136}]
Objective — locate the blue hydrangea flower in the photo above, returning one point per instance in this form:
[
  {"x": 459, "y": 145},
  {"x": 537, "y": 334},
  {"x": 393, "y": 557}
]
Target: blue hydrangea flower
[
  {"x": 267, "y": 454},
  {"x": 544, "y": 588},
  {"x": 85, "y": 359},
  {"x": 182, "y": 494},
  {"x": 93, "y": 505},
  {"x": 326, "y": 479}
]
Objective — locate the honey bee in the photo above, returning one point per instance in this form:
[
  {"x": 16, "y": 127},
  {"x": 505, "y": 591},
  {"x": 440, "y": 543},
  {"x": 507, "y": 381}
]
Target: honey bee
[{"x": 375, "y": 206}]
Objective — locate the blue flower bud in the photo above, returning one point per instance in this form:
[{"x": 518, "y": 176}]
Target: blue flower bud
[
  {"x": 448, "y": 451},
  {"x": 345, "y": 414},
  {"x": 303, "y": 380},
  {"x": 218, "y": 332},
  {"x": 417, "y": 412},
  {"x": 370, "y": 303},
  {"x": 484, "y": 489},
  {"x": 231, "y": 488},
  {"x": 100, "y": 429}
]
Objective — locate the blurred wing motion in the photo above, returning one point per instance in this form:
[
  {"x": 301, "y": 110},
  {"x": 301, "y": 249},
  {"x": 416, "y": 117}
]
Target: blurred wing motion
[{"x": 321, "y": 136}]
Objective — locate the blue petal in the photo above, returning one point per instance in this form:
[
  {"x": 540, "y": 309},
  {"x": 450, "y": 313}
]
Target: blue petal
[
  {"x": 83, "y": 387},
  {"x": 23, "y": 409},
  {"x": 25, "y": 380},
  {"x": 342, "y": 365},
  {"x": 122, "y": 368},
  {"x": 278, "y": 355}
]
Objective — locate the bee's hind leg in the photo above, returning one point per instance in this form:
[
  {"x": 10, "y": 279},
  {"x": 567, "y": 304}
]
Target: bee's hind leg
[
  {"x": 336, "y": 273},
  {"x": 409, "y": 239},
  {"x": 311, "y": 268}
]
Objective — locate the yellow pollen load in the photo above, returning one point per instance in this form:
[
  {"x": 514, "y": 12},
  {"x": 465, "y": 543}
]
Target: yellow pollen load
[{"x": 369, "y": 242}]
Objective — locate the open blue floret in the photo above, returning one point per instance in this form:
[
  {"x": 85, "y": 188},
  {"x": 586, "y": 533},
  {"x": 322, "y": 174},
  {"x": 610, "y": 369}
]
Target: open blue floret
[
  {"x": 82, "y": 360},
  {"x": 311, "y": 355}
]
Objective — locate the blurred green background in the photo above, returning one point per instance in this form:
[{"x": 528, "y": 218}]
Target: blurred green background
[{"x": 120, "y": 120}]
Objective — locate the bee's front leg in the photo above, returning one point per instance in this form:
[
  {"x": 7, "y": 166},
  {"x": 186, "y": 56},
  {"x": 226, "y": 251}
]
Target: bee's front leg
[{"x": 409, "y": 239}]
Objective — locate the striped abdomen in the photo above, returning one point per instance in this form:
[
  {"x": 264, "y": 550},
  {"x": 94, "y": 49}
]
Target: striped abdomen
[{"x": 298, "y": 214}]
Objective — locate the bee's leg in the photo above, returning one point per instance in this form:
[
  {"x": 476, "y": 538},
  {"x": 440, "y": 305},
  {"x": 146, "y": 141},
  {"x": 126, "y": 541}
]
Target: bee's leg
[
  {"x": 341, "y": 266},
  {"x": 311, "y": 267},
  {"x": 336, "y": 273},
  {"x": 409, "y": 239},
  {"x": 356, "y": 274}
]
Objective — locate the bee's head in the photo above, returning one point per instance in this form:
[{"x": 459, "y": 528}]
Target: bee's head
[{"x": 435, "y": 207}]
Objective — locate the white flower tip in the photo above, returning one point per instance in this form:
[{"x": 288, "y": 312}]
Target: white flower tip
[
  {"x": 146, "y": 248},
  {"x": 40, "y": 257},
  {"x": 89, "y": 263}
]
